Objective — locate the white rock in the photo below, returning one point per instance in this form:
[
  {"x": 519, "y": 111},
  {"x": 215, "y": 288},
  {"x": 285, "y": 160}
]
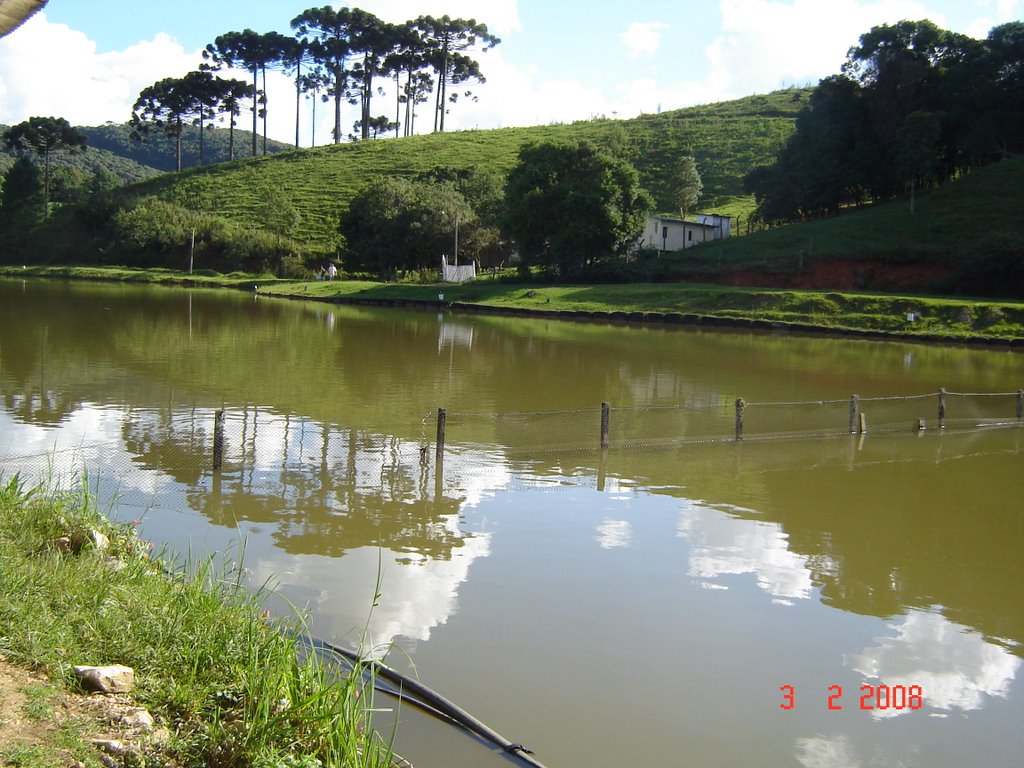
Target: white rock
[
  {"x": 139, "y": 718},
  {"x": 110, "y": 679}
]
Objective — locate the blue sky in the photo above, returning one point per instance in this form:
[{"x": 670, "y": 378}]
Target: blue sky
[{"x": 559, "y": 60}]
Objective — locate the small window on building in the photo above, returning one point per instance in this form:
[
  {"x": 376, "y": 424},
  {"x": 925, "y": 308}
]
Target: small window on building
[
  {"x": 689, "y": 234},
  {"x": 664, "y": 233}
]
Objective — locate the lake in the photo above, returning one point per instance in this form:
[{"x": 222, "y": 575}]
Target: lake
[{"x": 803, "y": 597}]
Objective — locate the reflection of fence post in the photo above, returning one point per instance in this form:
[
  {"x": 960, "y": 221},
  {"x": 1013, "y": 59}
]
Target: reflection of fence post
[
  {"x": 439, "y": 449},
  {"x": 1020, "y": 404},
  {"x": 942, "y": 407},
  {"x": 602, "y": 469},
  {"x": 854, "y": 408},
  {"x": 604, "y": 425},
  {"x": 442, "y": 416},
  {"x": 218, "y": 439},
  {"x": 741, "y": 406}
]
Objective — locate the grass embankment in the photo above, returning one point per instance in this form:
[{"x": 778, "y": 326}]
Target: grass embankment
[
  {"x": 935, "y": 318},
  {"x": 228, "y": 688}
]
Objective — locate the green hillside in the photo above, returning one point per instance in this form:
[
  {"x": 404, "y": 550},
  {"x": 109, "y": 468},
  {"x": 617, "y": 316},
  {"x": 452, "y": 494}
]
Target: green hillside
[
  {"x": 727, "y": 140},
  {"x": 968, "y": 232}
]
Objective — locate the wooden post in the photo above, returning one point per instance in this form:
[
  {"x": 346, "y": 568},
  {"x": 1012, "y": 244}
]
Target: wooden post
[
  {"x": 741, "y": 406},
  {"x": 942, "y": 408},
  {"x": 439, "y": 448},
  {"x": 604, "y": 424},
  {"x": 1020, "y": 404},
  {"x": 218, "y": 439},
  {"x": 863, "y": 423},
  {"x": 854, "y": 409}
]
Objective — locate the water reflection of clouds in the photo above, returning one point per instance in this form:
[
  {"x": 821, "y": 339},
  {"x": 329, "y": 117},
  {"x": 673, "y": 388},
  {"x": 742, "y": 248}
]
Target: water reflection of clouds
[
  {"x": 955, "y": 667},
  {"x": 418, "y": 593},
  {"x": 613, "y": 534},
  {"x": 80, "y": 448},
  {"x": 723, "y": 545},
  {"x": 827, "y": 752}
]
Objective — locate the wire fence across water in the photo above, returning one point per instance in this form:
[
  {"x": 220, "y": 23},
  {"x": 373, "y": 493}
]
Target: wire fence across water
[
  {"x": 298, "y": 461},
  {"x": 724, "y": 419}
]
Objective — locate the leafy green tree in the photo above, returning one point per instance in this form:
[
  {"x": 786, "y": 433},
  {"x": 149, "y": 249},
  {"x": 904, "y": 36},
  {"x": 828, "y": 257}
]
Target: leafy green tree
[
  {"x": 44, "y": 136},
  {"x": 246, "y": 50},
  {"x": 231, "y": 98},
  {"x": 278, "y": 214},
  {"x": 376, "y": 126},
  {"x": 329, "y": 33},
  {"x": 371, "y": 40},
  {"x": 166, "y": 106},
  {"x": 918, "y": 145},
  {"x": 408, "y": 58},
  {"x": 686, "y": 185},
  {"x": 397, "y": 224},
  {"x": 571, "y": 205},
  {"x": 22, "y": 198},
  {"x": 484, "y": 192},
  {"x": 444, "y": 41}
]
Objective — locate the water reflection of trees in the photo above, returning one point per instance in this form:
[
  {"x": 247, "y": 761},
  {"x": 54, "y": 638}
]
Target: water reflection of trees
[{"x": 325, "y": 489}]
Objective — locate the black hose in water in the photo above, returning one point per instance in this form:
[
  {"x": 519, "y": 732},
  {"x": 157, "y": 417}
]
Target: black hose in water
[{"x": 414, "y": 692}]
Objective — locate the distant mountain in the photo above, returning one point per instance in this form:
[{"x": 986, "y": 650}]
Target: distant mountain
[
  {"x": 112, "y": 147},
  {"x": 156, "y": 150},
  {"x": 89, "y": 162}
]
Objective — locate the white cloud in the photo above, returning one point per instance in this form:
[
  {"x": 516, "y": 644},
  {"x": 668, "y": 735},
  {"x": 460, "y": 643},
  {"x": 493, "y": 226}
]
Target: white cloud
[
  {"x": 643, "y": 39},
  {"x": 766, "y": 44},
  {"x": 51, "y": 69}
]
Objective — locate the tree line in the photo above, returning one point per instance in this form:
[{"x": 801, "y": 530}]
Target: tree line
[
  {"x": 914, "y": 106},
  {"x": 334, "y": 56}
]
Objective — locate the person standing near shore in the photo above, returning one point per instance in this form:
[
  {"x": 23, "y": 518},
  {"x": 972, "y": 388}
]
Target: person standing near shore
[{"x": 332, "y": 271}]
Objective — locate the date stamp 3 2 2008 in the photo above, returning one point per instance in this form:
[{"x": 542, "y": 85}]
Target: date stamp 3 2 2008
[{"x": 872, "y": 697}]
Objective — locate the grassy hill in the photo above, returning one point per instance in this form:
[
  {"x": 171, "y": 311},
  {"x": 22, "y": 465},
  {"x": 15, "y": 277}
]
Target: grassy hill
[
  {"x": 727, "y": 140},
  {"x": 966, "y": 236}
]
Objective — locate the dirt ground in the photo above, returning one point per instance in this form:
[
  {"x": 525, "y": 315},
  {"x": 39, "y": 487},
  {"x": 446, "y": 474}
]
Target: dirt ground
[
  {"x": 98, "y": 718},
  {"x": 15, "y": 729}
]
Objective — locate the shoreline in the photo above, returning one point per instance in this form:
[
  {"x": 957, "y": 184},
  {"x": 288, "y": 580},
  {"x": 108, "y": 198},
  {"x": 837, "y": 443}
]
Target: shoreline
[{"x": 871, "y": 316}]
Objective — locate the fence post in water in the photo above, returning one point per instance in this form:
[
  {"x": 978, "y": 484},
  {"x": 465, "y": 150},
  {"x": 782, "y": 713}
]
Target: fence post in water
[
  {"x": 439, "y": 448},
  {"x": 942, "y": 407},
  {"x": 741, "y": 406},
  {"x": 604, "y": 425},
  {"x": 1020, "y": 404},
  {"x": 863, "y": 423},
  {"x": 218, "y": 439},
  {"x": 854, "y": 408}
]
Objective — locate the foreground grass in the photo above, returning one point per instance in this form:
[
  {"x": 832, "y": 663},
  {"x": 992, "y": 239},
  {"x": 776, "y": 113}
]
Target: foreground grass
[
  {"x": 935, "y": 318},
  {"x": 231, "y": 689}
]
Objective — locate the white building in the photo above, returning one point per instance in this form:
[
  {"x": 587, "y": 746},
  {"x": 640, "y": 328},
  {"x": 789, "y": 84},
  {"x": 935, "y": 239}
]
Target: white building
[{"x": 670, "y": 233}]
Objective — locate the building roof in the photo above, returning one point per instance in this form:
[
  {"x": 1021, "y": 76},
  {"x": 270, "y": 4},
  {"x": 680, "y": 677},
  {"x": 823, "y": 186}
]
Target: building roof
[
  {"x": 687, "y": 222},
  {"x": 15, "y": 12}
]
